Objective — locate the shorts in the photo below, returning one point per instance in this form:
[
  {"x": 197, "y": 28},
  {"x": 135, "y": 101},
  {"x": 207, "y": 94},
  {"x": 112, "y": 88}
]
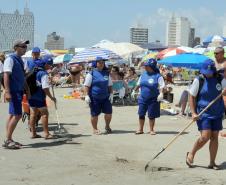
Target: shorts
[
  {"x": 15, "y": 104},
  {"x": 210, "y": 124},
  {"x": 98, "y": 106},
  {"x": 37, "y": 103},
  {"x": 153, "y": 109}
]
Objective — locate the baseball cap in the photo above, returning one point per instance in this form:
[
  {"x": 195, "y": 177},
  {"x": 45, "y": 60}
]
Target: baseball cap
[
  {"x": 208, "y": 67},
  {"x": 100, "y": 59},
  {"x": 20, "y": 42},
  {"x": 36, "y": 50},
  {"x": 48, "y": 60}
]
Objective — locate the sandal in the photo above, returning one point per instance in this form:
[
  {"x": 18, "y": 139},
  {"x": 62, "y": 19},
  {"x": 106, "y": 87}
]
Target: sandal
[
  {"x": 214, "y": 167},
  {"x": 49, "y": 136},
  {"x": 188, "y": 161},
  {"x": 139, "y": 132},
  {"x": 108, "y": 131},
  {"x": 152, "y": 133},
  {"x": 10, "y": 144},
  {"x": 96, "y": 132},
  {"x": 36, "y": 136}
]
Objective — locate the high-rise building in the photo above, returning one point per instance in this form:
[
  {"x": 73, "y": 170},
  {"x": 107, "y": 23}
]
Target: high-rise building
[
  {"x": 139, "y": 35},
  {"x": 54, "y": 42},
  {"x": 16, "y": 26},
  {"x": 178, "y": 31},
  {"x": 192, "y": 38}
]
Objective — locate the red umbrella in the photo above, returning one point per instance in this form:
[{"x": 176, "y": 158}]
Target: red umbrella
[{"x": 169, "y": 52}]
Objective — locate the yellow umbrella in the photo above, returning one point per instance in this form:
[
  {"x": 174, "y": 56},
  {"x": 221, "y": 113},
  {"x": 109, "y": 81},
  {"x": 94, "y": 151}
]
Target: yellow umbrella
[{"x": 150, "y": 55}]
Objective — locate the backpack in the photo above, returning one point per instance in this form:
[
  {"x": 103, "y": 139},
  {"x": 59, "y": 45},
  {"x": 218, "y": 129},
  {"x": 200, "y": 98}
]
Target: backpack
[
  {"x": 201, "y": 79},
  {"x": 31, "y": 79}
]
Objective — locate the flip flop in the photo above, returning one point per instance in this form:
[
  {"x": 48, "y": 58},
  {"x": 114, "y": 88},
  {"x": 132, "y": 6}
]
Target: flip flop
[
  {"x": 152, "y": 133},
  {"x": 139, "y": 132},
  {"x": 188, "y": 162},
  {"x": 97, "y": 132},
  {"x": 49, "y": 136},
  {"x": 9, "y": 144},
  {"x": 108, "y": 131},
  {"x": 214, "y": 167},
  {"x": 36, "y": 136}
]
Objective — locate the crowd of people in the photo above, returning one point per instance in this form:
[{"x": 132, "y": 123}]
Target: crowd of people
[{"x": 100, "y": 83}]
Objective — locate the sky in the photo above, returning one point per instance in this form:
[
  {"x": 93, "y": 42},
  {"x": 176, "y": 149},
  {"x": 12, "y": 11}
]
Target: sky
[{"x": 84, "y": 23}]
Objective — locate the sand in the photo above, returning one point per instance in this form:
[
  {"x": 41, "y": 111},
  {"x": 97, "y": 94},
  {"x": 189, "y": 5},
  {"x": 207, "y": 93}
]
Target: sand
[{"x": 119, "y": 158}]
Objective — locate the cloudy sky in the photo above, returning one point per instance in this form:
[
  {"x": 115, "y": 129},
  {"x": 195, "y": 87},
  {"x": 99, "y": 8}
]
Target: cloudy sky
[{"x": 85, "y": 22}]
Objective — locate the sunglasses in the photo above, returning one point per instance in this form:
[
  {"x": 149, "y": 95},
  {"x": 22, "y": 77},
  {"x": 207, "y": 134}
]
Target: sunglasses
[
  {"x": 22, "y": 46},
  {"x": 215, "y": 53}
]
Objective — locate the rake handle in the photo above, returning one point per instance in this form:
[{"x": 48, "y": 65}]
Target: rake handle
[{"x": 208, "y": 106}]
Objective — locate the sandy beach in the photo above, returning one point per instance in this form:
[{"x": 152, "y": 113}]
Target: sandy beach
[{"x": 79, "y": 157}]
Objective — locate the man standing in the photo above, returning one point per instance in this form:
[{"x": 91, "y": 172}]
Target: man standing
[
  {"x": 220, "y": 59},
  {"x": 35, "y": 57},
  {"x": 14, "y": 81}
]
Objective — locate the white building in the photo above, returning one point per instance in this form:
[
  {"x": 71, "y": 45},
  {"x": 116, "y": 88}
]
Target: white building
[
  {"x": 16, "y": 26},
  {"x": 54, "y": 42},
  {"x": 139, "y": 36},
  {"x": 178, "y": 31}
]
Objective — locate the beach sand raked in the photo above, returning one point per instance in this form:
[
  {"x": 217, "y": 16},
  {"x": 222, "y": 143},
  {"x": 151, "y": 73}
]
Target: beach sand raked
[{"x": 119, "y": 158}]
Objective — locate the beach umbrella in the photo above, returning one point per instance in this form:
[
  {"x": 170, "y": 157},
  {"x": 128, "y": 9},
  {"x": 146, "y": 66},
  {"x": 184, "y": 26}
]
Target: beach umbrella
[
  {"x": 62, "y": 58},
  {"x": 88, "y": 55},
  {"x": 188, "y": 60},
  {"x": 212, "y": 39},
  {"x": 150, "y": 55},
  {"x": 169, "y": 52}
]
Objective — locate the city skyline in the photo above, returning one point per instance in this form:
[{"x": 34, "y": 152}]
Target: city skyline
[{"x": 84, "y": 23}]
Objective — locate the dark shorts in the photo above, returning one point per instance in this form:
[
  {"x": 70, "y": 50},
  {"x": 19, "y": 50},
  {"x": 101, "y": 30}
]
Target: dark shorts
[
  {"x": 15, "y": 105},
  {"x": 37, "y": 103},
  {"x": 210, "y": 124},
  {"x": 153, "y": 109},
  {"x": 98, "y": 106}
]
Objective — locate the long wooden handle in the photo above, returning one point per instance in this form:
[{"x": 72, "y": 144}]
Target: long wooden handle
[{"x": 185, "y": 128}]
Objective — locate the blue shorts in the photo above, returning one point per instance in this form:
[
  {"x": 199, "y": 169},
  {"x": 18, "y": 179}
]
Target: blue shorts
[
  {"x": 37, "y": 103},
  {"x": 210, "y": 124},
  {"x": 15, "y": 104},
  {"x": 97, "y": 106},
  {"x": 152, "y": 107}
]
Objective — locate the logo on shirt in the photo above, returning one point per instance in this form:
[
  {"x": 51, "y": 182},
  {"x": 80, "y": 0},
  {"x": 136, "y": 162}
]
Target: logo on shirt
[
  {"x": 105, "y": 77},
  {"x": 218, "y": 87},
  {"x": 151, "y": 81}
]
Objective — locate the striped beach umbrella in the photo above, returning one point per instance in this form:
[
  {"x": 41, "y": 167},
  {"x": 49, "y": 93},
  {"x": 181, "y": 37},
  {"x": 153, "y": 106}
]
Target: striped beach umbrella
[{"x": 90, "y": 54}]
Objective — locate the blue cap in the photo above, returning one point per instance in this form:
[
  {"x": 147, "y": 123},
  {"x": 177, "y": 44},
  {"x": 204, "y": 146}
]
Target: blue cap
[
  {"x": 36, "y": 50},
  {"x": 208, "y": 67},
  {"x": 100, "y": 59},
  {"x": 48, "y": 60},
  {"x": 151, "y": 63}
]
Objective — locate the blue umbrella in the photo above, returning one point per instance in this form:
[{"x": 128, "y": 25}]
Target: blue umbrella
[
  {"x": 188, "y": 60},
  {"x": 89, "y": 55}
]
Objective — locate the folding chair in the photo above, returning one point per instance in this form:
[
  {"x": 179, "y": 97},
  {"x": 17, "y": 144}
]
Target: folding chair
[{"x": 118, "y": 91}]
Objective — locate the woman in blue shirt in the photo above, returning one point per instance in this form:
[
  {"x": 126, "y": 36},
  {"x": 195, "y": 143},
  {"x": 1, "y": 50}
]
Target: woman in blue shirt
[
  {"x": 98, "y": 88},
  {"x": 151, "y": 85},
  {"x": 210, "y": 122}
]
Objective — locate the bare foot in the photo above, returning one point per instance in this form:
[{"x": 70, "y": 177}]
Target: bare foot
[{"x": 96, "y": 132}]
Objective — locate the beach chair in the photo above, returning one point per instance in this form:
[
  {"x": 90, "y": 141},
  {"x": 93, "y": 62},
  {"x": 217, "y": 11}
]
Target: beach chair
[{"x": 118, "y": 91}]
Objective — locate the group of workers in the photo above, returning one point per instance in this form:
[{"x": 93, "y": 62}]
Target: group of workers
[{"x": 99, "y": 97}]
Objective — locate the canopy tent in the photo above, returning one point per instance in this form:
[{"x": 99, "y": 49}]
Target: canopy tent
[{"x": 188, "y": 60}]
